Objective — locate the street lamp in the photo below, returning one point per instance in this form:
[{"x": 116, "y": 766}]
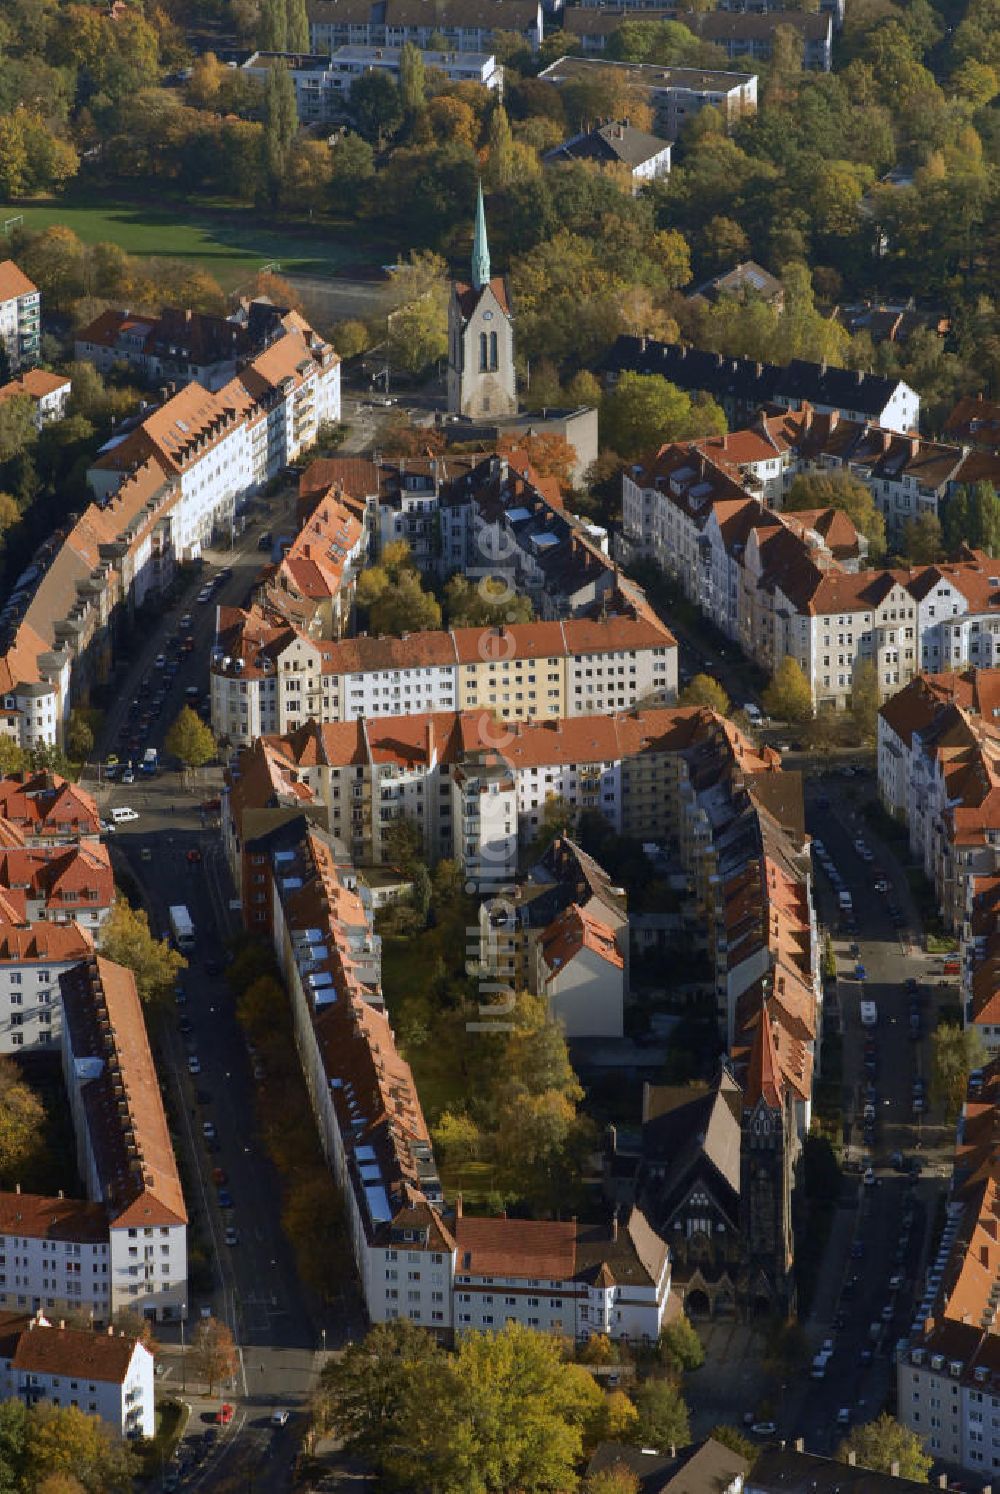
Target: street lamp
[
  {"x": 183, "y": 1355},
  {"x": 323, "y": 1336}
]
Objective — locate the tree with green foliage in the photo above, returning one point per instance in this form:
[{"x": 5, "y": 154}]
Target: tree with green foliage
[
  {"x": 680, "y": 1348},
  {"x": 272, "y": 31},
  {"x": 788, "y": 697},
  {"x": 17, "y": 426},
  {"x": 79, "y": 736},
  {"x": 412, "y": 79},
  {"x": 418, "y": 327},
  {"x": 663, "y": 1415},
  {"x": 921, "y": 540},
  {"x": 736, "y": 1441},
  {"x": 840, "y": 489},
  {"x": 505, "y": 1410},
  {"x": 281, "y": 124},
  {"x": 955, "y": 1052},
  {"x": 22, "y": 1116},
  {"x": 297, "y": 26},
  {"x": 644, "y": 411},
  {"x": 704, "y": 690},
  {"x": 866, "y": 698},
  {"x": 126, "y": 939},
  {"x": 377, "y": 106},
  {"x": 616, "y": 1480},
  {"x": 190, "y": 740},
  {"x": 886, "y": 1446},
  {"x": 62, "y": 1442},
  {"x": 484, "y": 603},
  {"x": 971, "y": 516}
]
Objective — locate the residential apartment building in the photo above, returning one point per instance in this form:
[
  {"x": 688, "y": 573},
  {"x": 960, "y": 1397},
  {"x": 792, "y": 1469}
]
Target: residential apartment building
[
  {"x": 180, "y": 346},
  {"x": 323, "y": 83},
  {"x": 221, "y": 446},
  {"x": 790, "y": 584},
  {"x": 127, "y": 1246},
  {"x": 477, "y": 789},
  {"x": 948, "y": 1367},
  {"x": 975, "y": 422},
  {"x": 33, "y": 957},
  {"x": 43, "y": 809},
  {"x": 20, "y": 316},
  {"x": 742, "y": 35},
  {"x": 937, "y": 745},
  {"x": 416, "y": 1257},
  {"x": 60, "y": 626},
  {"x": 676, "y": 94},
  {"x": 567, "y": 1278},
  {"x": 463, "y": 25},
  {"x": 48, "y": 392},
  {"x": 617, "y": 146},
  {"x": 742, "y": 386},
  {"x": 164, "y": 487},
  {"x": 109, "y": 1375},
  {"x": 267, "y": 679}
]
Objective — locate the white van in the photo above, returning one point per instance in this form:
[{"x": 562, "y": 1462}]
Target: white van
[
  {"x": 869, "y": 1014},
  {"x": 846, "y": 901},
  {"x": 123, "y": 814}
]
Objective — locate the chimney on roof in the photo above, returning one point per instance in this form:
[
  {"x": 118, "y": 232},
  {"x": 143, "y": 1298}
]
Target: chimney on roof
[
  {"x": 17, "y": 1187},
  {"x": 62, "y": 1322},
  {"x": 942, "y": 1482}
]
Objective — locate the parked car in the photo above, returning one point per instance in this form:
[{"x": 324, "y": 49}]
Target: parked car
[
  {"x": 224, "y": 1415},
  {"x": 194, "y": 1066}
]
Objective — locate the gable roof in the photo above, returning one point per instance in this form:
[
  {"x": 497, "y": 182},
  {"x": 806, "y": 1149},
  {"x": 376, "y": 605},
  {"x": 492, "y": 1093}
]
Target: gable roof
[{"x": 44, "y": 1349}]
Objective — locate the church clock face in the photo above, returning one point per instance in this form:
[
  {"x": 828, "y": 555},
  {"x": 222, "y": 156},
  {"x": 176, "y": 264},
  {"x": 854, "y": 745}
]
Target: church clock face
[{"x": 487, "y": 316}]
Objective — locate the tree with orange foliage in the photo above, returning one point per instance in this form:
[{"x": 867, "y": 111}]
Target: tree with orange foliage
[
  {"x": 275, "y": 288},
  {"x": 549, "y": 454}
]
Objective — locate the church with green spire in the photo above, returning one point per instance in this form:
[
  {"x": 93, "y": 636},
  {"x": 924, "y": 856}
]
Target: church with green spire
[{"x": 481, "y": 379}]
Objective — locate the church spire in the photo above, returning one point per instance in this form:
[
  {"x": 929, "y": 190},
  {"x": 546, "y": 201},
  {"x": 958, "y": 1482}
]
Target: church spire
[{"x": 480, "y": 247}]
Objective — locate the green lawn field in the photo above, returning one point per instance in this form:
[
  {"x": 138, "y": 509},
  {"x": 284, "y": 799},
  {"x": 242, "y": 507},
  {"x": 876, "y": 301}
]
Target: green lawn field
[{"x": 230, "y": 244}]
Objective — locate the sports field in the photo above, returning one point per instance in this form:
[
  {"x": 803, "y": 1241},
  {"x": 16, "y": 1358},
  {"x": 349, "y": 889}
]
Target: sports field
[{"x": 230, "y": 244}]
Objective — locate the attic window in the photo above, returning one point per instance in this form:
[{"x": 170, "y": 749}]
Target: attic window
[{"x": 181, "y": 426}]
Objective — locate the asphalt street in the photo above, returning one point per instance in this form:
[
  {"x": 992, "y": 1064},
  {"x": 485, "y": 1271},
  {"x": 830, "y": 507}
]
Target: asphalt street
[
  {"x": 174, "y": 853},
  {"x": 875, "y": 1262}
]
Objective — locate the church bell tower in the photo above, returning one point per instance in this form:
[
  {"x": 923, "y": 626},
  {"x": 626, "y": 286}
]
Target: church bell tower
[{"x": 481, "y": 379}]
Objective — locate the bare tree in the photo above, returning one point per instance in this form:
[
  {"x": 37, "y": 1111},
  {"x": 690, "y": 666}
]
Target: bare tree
[{"x": 213, "y": 1353}]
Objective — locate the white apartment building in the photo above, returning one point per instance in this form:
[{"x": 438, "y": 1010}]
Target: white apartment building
[
  {"x": 20, "y": 316},
  {"x": 124, "y": 1151},
  {"x": 55, "y": 1255},
  {"x": 566, "y": 1278},
  {"x": 48, "y": 392},
  {"x": 219, "y": 447},
  {"x": 267, "y": 679},
  {"x": 103, "y": 1374},
  {"x": 323, "y": 83},
  {"x": 32, "y": 959}
]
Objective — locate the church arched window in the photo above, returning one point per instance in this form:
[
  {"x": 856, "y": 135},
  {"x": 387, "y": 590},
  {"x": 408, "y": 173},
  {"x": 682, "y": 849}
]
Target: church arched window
[
  {"x": 483, "y": 353},
  {"x": 494, "y": 352}
]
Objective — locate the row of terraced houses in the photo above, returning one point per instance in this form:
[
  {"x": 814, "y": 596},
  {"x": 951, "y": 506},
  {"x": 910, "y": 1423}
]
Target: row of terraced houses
[
  {"x": 163, "y": 486},
  {"x": 796, "y": 584}
]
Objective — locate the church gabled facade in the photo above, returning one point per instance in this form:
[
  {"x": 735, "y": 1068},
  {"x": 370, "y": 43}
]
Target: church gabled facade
[{"x": 481, "y": 378}]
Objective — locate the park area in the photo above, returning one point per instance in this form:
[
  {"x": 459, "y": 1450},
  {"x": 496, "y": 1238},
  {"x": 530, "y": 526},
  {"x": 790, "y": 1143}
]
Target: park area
[{"x": 230, "y": 243}]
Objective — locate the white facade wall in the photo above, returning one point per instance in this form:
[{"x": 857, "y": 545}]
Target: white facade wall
[
  {"x": 55, "y": 1275},
  {"x": 127, "y": 1408},
  {"x": 587, "y": 995},
  {"x": 398, "y": 692},
  {"x": 30, "y": 1008},
  {"x": 149, "y": 1269}
]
